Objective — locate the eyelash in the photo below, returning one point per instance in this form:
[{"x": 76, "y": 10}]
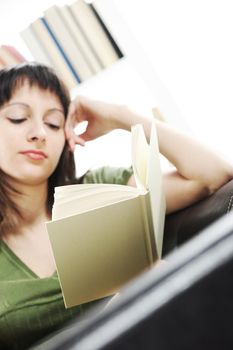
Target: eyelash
[
  {"x": 16, "y": 121},
  {"x": 19, "y": 121},
  {"x": 53, "y": 127}
]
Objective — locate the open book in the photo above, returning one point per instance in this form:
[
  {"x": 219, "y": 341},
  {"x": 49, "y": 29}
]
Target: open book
[{"x": 104, "y": 235}]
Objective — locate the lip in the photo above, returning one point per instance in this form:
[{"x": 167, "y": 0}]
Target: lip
[{"x": 34, "y": 154}]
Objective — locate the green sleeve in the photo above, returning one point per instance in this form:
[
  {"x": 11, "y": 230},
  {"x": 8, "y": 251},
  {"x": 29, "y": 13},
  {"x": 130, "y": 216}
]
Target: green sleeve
[{"x": 107, "y": 174}]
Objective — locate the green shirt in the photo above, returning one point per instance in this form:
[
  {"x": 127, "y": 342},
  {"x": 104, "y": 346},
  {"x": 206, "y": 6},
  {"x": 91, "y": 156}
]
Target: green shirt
[{"x": 32, "y": 307}]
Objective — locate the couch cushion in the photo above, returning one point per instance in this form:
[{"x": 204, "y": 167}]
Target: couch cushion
[{"x": 186, "y": 223}]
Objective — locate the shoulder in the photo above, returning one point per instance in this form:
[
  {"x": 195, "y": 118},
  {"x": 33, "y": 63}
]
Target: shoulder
[{"x": 107, "y": 174}]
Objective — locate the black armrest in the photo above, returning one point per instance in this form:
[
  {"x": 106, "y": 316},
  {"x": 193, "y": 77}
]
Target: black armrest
[{"x": 186, "y": 223}]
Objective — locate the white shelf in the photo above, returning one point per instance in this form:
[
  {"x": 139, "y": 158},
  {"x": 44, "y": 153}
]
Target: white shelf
[
  {"x": 140, "y": 61},
  {"x": 119, "y": 83},
  {"x": 132, "y": 81},
  {"x": 126, "y": 87}
]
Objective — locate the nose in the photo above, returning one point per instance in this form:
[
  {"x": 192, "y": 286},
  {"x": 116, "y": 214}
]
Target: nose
[{"x": 37, "y": 133}]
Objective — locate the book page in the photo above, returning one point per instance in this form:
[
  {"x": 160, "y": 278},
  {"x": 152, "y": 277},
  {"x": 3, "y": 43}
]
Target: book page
[
  {"x": 147, "y": 172},
  {"x": 155, "y": 185},
  {"x": 78, "y": 199},
  {"x": 140, "y": 156}
]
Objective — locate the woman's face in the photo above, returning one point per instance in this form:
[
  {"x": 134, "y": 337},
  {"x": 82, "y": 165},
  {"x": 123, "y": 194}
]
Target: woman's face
[{"x": 31, "y": 135}]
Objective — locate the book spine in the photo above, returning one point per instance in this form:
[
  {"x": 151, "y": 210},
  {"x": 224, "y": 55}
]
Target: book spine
[
  {"x": 80, "y": 40},
  {"x": 107, "y": 32},
  {"x": 34, "y": 46},
  {"x": 66, "y": 59},
  {"x": 94, "y": 33},
  {"x": 54, "y": 18},
  {"x": 57, "y": 61}
]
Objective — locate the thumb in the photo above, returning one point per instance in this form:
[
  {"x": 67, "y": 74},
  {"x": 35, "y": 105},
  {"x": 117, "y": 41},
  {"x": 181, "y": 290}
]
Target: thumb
[
  {"x": 85, "y": 136},
  {"x": 71, "y": 109}
]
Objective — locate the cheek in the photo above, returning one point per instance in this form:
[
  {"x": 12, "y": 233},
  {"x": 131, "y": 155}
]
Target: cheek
[
  {"x": 57, "y": 147},
  {"x": 7, "y": 148}
]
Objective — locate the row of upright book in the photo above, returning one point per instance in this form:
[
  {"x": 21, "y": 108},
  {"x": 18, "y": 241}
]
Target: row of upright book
[{"x": 74, "y": 40}]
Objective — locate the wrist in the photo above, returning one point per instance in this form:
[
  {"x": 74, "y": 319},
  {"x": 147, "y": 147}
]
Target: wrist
[
  {"x": 122, "y": 117},
  {"x": 119, "y": 117}
]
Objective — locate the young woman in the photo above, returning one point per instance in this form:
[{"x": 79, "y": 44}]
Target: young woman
[{"x": 36, "y": 142}]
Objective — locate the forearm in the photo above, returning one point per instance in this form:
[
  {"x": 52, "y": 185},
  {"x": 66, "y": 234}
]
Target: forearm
[{"x": 192, "y": 159}]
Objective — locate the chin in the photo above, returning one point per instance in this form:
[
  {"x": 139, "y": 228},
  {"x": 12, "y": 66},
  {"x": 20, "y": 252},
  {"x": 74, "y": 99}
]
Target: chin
[
  {"x": 31, "y": 176},
  {"x": 31, "y": 179}
]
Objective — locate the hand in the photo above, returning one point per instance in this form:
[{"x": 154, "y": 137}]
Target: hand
[{"x": 99, "y": 117}]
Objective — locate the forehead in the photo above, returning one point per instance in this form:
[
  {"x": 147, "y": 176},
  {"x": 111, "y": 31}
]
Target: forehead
[{"x": 31, "y": 93}]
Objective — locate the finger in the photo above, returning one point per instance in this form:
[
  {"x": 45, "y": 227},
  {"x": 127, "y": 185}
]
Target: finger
[
  {"x": 70, "y": 136},
  {"x": 70, "y": 125},
  {"x": 74, "y": 112},
  {"x": 79, "y": 140},
  {"x": 69, "y": 132},
  {"x": 71, "y": 144},
  {"x": 85, "y": 137},
  {"x": 75, "y": 140},
  {"x": 71, "y": 109}
]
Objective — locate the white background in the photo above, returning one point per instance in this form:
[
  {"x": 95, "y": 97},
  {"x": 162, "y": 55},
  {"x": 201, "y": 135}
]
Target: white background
[{"x": 189, "y": 43}]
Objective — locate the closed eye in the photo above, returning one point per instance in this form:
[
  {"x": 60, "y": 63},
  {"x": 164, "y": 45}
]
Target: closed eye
[
  {"x": 53, "y": 126},
  {"x": 16, "y": 121},
  {"x": 21, "y": 120}
]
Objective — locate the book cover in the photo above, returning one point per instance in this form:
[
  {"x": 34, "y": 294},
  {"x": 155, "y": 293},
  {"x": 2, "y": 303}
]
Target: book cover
[
  {"x": 107, "y": 32},
  {"x": 62, "y": 51},
  {"x": 94, "y": 32},
  {"x": 35, "y": 47},
  {"x": 54, "y": 19},
  {"x": 103, "y": 236}
]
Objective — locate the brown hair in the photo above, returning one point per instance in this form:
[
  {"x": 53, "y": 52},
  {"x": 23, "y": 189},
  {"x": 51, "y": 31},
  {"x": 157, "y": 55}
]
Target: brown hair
[{"x": 45, "y": 78}]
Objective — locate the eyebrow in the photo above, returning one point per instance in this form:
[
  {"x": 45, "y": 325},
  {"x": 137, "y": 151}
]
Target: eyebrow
[
  {"x": 54, "y": 109},
  {"x": 18, "y": 103}
]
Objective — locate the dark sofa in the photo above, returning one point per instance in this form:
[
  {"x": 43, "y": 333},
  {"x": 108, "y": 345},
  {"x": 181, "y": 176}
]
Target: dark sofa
[
  {"x": 185, "y": 224},
  {"x": 187, "y": 303}
]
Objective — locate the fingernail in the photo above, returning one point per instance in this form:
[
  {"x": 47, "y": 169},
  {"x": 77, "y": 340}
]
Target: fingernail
[{"x": 81, "y": 142}]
